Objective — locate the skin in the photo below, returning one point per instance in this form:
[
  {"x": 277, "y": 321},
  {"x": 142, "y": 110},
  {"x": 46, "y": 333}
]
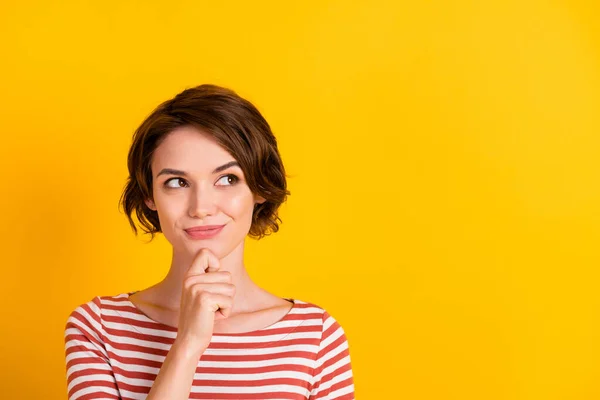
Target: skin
[{"x": 204, "y": 198}]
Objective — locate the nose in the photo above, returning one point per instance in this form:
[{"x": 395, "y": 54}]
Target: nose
[{"x": 203, "y": 201}]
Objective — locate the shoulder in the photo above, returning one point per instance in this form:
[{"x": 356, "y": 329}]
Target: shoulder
[
  {"x": 88, "y": 316},
  {"x": 332, "y": 369},
  {"x": 328, "y": 323}
]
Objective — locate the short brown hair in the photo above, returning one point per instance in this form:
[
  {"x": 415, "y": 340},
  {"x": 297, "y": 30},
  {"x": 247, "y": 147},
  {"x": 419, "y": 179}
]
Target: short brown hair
[{"x": 236, "y": 125}]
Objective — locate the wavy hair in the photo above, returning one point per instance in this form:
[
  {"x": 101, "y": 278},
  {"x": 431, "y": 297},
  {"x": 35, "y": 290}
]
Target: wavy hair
[{"x": 236, "y": 125}]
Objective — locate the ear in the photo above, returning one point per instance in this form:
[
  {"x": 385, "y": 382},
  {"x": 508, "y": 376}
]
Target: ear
[
  {"x": 259, "y": 200},
  {"x": 150, "y": 204}
]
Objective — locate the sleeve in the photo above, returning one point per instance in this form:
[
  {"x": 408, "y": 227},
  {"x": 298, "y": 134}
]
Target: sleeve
[
  {"x": 333, "y": 371},
  {"x": 89, "y": 373}
]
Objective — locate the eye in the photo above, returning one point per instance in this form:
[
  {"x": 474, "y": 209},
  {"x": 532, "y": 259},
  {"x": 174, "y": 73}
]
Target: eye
[
  {"x": 227, "y": 180},
  {"x": 173, "y": 179},
  {"x": 227, "y": 177}
]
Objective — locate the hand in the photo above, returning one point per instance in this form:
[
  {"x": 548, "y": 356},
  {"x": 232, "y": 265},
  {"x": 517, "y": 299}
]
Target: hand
[{"x": 207, "y": 295}]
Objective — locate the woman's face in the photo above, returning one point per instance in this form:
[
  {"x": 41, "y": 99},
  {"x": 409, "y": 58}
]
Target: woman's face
[{"x": 198, "y": 195}]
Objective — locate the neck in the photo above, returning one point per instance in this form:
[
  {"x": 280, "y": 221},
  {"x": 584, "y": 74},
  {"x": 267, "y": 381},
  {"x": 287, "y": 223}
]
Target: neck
[{"x": 169, "y": 289}]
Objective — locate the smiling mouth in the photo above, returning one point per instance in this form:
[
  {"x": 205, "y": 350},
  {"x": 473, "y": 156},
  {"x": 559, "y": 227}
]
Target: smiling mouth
[{"x": 204, "y": 232}]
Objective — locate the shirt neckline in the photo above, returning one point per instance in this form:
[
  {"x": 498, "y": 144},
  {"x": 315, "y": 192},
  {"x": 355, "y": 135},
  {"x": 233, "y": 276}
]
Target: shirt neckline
[{"x": 286, "y": 317}]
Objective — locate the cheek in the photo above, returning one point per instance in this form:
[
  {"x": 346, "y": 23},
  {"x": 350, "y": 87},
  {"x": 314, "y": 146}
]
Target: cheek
[
  {"x": 168, "y": 211},
  {"x": 239, "y": 204}
]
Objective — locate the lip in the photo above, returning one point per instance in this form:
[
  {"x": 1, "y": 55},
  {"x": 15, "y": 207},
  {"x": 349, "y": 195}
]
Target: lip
[{"x": 204, "y": 232}]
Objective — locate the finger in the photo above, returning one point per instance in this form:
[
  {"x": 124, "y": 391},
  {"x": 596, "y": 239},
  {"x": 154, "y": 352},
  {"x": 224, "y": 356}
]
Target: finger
[
  {"x": 223, "y": 313},
  {"x": 217, "y": 287},
  {"x": 213, "y": 277},
  {"x": 213, "y": 262},
  {"x": 204, "y": 261},
  {"x": 219, "y": 303}
]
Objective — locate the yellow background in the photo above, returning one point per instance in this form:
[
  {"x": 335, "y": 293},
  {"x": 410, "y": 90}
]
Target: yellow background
[{"x": 444, "y": 162}]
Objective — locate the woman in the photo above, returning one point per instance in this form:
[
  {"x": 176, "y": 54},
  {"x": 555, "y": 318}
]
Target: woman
[{"x": 204, "y": 170}]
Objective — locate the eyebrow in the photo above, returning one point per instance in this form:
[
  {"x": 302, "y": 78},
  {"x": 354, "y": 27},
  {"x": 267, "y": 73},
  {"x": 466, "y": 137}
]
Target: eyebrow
[{"x": 171, "y": 171}]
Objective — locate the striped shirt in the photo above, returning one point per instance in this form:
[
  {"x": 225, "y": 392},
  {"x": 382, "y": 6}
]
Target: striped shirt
[{"x": 114, "y": 351}]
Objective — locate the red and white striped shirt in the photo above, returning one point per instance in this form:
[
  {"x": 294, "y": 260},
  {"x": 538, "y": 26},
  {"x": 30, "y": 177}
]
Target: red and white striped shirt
[{"x": 114, "y": 351}]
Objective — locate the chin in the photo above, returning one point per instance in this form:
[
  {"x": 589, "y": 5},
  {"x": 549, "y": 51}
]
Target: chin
[{"x": 220, "y": 248}]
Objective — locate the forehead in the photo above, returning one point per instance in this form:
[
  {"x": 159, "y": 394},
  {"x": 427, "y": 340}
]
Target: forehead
[{"x": 189, "y": 148}]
